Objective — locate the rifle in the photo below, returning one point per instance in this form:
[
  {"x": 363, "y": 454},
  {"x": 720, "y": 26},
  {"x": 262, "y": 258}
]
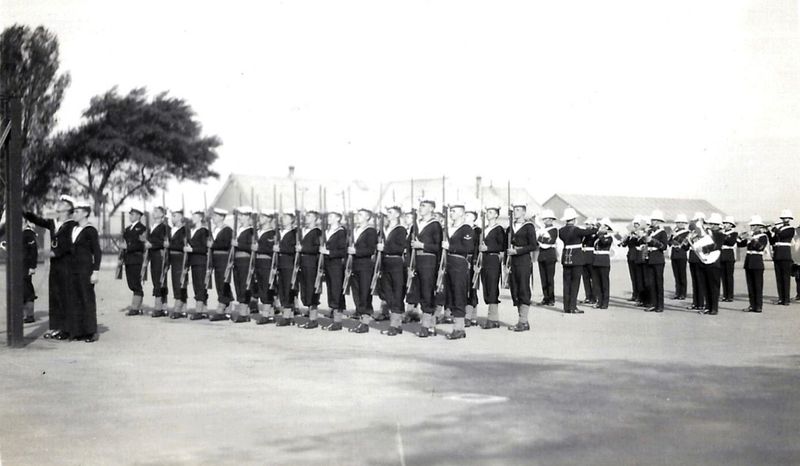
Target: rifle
[
  {"x": 376, "y": 272},
  {"x": 412, "y": 236},
  {"x": 253, "y": 248},
  {"x": 348, "y": 266},
  {"x": 232, "y": 250},
  {"x": 445, "y": 237},
  {"x": 507, "y": 260},
  {"x": 476, "y": 277},
  {"x": 297, "y": 244},
  {"x": 321, "y": 259},
  {"x": 209, "y": 256},
  {"x": 164, "y": 257},
  {"x": 185, "y": 264},
  {"x": 146, "y": 259},
  {"x": 121, "y": 257}
]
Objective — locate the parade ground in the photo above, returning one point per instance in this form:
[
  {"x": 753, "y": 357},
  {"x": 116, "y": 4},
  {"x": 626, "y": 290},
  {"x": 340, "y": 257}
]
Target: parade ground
[{"x": 610, "y": 387}]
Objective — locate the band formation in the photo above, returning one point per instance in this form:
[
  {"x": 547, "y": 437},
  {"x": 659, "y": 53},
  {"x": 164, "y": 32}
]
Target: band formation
[{"x": 425, "y": 265}]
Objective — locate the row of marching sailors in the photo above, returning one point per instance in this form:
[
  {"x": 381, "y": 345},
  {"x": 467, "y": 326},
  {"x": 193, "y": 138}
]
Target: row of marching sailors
[{"x": 75, "y": 258}]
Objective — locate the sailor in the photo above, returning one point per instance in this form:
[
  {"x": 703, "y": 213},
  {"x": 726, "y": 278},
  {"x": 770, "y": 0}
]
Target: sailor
[
  {"x": 412, "y": 293},
  {"x": 157, "y": 243},
  {"x": 177, "y": 241},
  {"x": 220, "y": 244},
  {"x": 470, "y": 218},
  {"x": 780, "y": 238},
  {"x": 310, "y": 242},
  {"x": 548, "y": 256},
  {"x": 727, "y": 259},
  {"x": 365, "y": 245},
  {"x": 81, "y": 322},
  {"x": 458, "y": 247},
  {"x": 756, "y": 242},
  {"x": 245, "y": 237},
  {"x": 197, "y": 259},
  {"x": 678, "y": 247},
  {"x": 494, "y": 243},
  {"x": 265, "y": 236},
  {"x": 428, "y": 244},
  {"x": 335, "y": 252},
  {"x": 286, "y": 249},
  {"x": 133, "y": 237},
  {"x": 523, "y": 244},
  {"x": 392, "y": 279}
]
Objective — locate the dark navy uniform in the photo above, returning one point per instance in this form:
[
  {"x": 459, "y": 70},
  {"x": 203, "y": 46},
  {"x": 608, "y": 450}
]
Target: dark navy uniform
[
  {"x": 197, "y": 263},
  {"x": 601, "y": 269},
  {"x": 220, "y": 249},
  {"x": 457, "y": 284},
  {"x": 523, "y": 240},
  {"x": 86, "y": 256},
  {"x": 678, "y": 260},
  {"x": 727, "y": 262},
  {"x": 572, "y": 262},
  {"x": 588, "y": 261},
  {"x": 496, "y": 241},
  {"x": 781, "y": 238},
  {"x": 698, "y": 280},
  {"x": 712, "y": 273},
  {"x": 285, "y": 267},
  {"x": 632, "y": 242},
  {"x": 640, "y": 267},
  {"x": 430, "y": 234},
  {"x": 134, "y": 256},
  {"x": 393, "y": 268},
  {"x": 548, "y": 256},
  {"x": 754, "y": 269},
  {"x": 336, "y": 244},
  {"x": 266, "y": 240},
  {"x": 366, "y": 244},
  {"x": 177, "y": 241},
  {"x": 309, "y": 257},
  {"x": 473, "y": 293},
  {"x": 30, "y": 257},
  {"x": 654, "y": 269},
  {"x": 156, "y": 237}
]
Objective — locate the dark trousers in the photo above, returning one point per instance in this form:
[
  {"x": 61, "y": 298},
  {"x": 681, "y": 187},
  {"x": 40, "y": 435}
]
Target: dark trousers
[
  {"x": 241, "y": 266},
  {"x": 82, "y": 315},
  {"x": 796, "y": 273},
  {"x": 490, "y": 278},
  {"x": 572, "y": 283},
  {"x": 457, "y": 285},
  {"x": 698, "y": 285},
  {"x": 547, "y": 273},
  {"x": 600, "y": 276},
  {"x": 727, "y": 279},
  {"x": 334, "y": 277},
  {"x": 588, "y": 287},
  {"x": 472, "y": 298},
  {"x": 519, "y": 279},
  {"x": 639, "y": 270},
  {"x": 755, "y": 287},
  {"x": 392, "y": 283},
  {"x": 306, "y": 276},
  {"x": 634, "y": 282},
  {"x": 156, "y": 266},
  {"x": 133, "y": 275},
  {"x": 198, "y": 272},
  {"x": 61, "y": 293},
  {"x": 265, "y": 294},
  {"x": 654, "y": 279},
  {"x": 783, "y": 277},
  {"x": 711, "y": 280},
  {"x": 426, "y": 277},
  {"x": 412, "y": 294},
  {"x": 285, "y": 290},
  {"x": 360, "y": 281},
  {"x": 176, "y": 269},
  {"x": 224, "y": 293},
  {"x": 679, "y": 272},
  {"x": 28, "y": 293}
]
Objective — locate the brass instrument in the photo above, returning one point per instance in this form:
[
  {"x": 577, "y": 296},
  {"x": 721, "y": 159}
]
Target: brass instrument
[{"x": 703, "y": 241}]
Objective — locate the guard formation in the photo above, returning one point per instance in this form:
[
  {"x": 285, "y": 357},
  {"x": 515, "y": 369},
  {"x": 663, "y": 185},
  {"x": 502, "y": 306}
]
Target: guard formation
[{"x": 427, "y": 264}]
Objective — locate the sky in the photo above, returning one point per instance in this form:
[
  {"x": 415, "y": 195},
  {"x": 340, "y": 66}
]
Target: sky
[{"x": 642, "y": 98}]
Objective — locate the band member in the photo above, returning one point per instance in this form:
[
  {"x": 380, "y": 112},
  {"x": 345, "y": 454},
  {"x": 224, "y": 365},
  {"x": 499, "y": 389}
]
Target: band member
[
  {"x": 755, "y": 243},
  {"x": 286, "y": 248},
  {"x": 640, "y": 261},
  {"x": 335, "y": 252},
  {"x": 572, "y": 258},
  {"x": 266, "y": 236},
  {"x": 523, "y": 243},
  {"x": 470, "y": 218},
  {"x": 601, "y": 268},
  {"x": 711, "y": 272},
  {"x": 678, "y": 249},
  {"x": 781, "y": 240},
  {"x": 86, "y": 257},
  {"x": 428, "y": 247},
  {"x": 631, "y": 241},
  {"x": 548, "y": 256},
  {"x": 310, "y": 242},
  {"x": 156, "y": 238},
  {"x": 727, "y": 259},
  {"x": 494, "y": 243},
  {"x": 695, "y": 268},
  {"x": 392, "y": 279},
  {"x": 220, "y": 244},
  {"x": 133, "y": 237},
  {"x": 412, "y": 295},
  {"x": 457, "y": 284},
  {"x": 245, "y": 237},
  {"x": 177, "y": 241},
  {"x": 588, "y": 261},
  {"x": 197, "y": 250},
  {"x": 654, "y": 270},
  {"x": 365, "y": 245},
  {"x": 60, "y": 293}
]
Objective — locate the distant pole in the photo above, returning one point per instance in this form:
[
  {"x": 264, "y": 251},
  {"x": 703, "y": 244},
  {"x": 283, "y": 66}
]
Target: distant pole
[
  {"x": 11, "y": 150},
  {"x": 252, "y": 195},
  {"x": 205, "y": 203}
]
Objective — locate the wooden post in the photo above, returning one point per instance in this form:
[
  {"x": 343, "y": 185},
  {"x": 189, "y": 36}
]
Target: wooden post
[{"x": 11, "y": 112}]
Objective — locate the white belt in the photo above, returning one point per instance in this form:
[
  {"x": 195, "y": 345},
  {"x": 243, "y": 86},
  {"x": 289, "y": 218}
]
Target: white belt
[
  {"x": 728, "y": 247},
  {"x": 545, "y": 246},
  {"x": 651, "y": 248},
  {"x": 572, "y": 246},
  {"x": 760, "y": 253},
  {"x": 603, "y": 253},
  {"x": 588, "y": 248},
  {"x": 783, "y": 244}
]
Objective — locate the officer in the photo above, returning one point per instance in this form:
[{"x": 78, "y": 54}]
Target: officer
[
  {"x": 494, "y": 243},
  {"x": 727, "y": 259},
  {"x": 548, "y": 256},
  {"x": 133, "y": 237},
  {"x": 756, "y": 242}
]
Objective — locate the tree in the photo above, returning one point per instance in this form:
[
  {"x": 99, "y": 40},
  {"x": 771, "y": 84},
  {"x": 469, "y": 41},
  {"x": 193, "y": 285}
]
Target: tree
[
  {"x": 131, "y": 146},
  {"x": 29, "y": 62}
]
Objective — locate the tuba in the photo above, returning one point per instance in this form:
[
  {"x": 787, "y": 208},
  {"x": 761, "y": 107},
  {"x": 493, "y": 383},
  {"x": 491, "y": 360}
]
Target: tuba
[{"x": 700, "y": 244}]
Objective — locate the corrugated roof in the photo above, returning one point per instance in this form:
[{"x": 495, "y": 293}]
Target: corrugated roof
[{"x": 623, "y": 207}]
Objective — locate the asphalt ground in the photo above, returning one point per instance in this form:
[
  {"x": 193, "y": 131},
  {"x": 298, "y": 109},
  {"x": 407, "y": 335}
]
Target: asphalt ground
[{"x": 616, "y": 386}]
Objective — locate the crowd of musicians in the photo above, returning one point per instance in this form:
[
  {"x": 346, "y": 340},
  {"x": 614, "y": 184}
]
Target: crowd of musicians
[{"x": 425, "y": 264}]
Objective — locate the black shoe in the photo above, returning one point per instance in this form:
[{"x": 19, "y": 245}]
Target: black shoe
[
  {"x": 596, "y": 306},
  {"x": 543, "y": 303},
  {"x": 380, "y": 317},
  {"x": 423, "y": 332},
  {"x": 658, "y": 310},
  {"x": 62, "y": 336},
  {"x": 632, "y": 298},
  {"x": 310, "y": 324},
  {"x": 200, "y": 316},
  {"x": 605, "y": 306},
  {"x": 333, "y": 327},
  {"x": 577, "y": 311},
  {"x": 650, "y": 309},
  {"x": 134, "y": 312},
  {"x": 641, "y": 304},
  {"x": 360, "y": 328},
  {"x": 444, "y": 320},
  {"x": 712, "y": 313},
  {"x": 261, "y": 319},
  {"x": 215, "y": 317},
  {"x": 392, "y": 331},
  {"x": 456, "y": 335},
  {"x": 797, "y": 298},
  {"x": 237, "y": 318},
  {"x": 490, "y": 324},
  {"x": 470, "y": 323},
  {"x": 778, "y": 302},
  {"x": 748, "y": 309},
  {"x": 520, "y": 327},
  {"x": 91, "y": 338},
  {"x": 175, "y": 315},
  {"x": 159, "y": 313},
  {"x": 281, "y": 321},
  {"x": 756, "y": 310},
  {"x": 787, "y": 303},
  {"x": 29, "y": 320}
]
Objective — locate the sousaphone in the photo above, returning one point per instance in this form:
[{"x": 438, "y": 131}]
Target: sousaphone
[{"x": 701, "y": 246}]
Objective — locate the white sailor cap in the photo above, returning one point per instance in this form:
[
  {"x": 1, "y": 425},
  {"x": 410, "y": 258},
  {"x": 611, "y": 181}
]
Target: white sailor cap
[
  {"x": 521, "y": 205},
  {"x": 200, "y": 212},
  {"x": 456, "y": 206},
  {"x": 220, "y": 211},
  {"x": 136, "y": 210},
  {"x": 244, "y": 210},
  {"x": 268, "y": 212},
  {"x": 67, "y": 198},
  {"x": 430, "y": 202},
  {"x": 637, "y": 219},
  {"x": 396, "y": 208},
  {"x": 492, "y": 207},
  {"x": 590, "y": 221},
  {"x": 83, "y": 206}
]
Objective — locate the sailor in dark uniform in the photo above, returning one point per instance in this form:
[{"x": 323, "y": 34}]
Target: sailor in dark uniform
[
  {"x": 678, "y": 247},
  {"x": 548, "y": 256},
  {"x": 220, "y": 239},
  {"x": 727, "y": 259},
  {"x": 197, "y": 250},
  {"x": 756, "y": 242},
  {"x": 134, "y": 236},
  {"x": 631, "y": 241},
  {"x": 393, "y": 269},
  {"x": 335, "y": 252},
  {"x": 572, "y": 258},
  {"x": 601, "y": 268},
  {"x": 412, "y": 294},
  {"x": 523, "y": 244},
  {"x": 86, "y": 257},
  {"x": 30, "y": 257},
  {"x": 310, "y": 242},
  {"x": 265, "y": 237},
  {"x": 365, "y": 245},
  {"x": 428, "y": 246},
  {"x": 712, "y": 272},
  {"x": 457, "y": 284},
  {"x": 157, "y": 243},
  {"x": 470, "y": 319},
  {"x": 494, "y": 244},
  {"x": 177, "y": 241},
  {"x": 696, "y": 267},
  {"x": 781, "y": 240},
  {"x": 245, "y": 237},
  {"x": 588, "y": 260},
  {"x": 60, "y": 293},
  {"x": 654, "y": 269},
  {"x": 442, "y": 314}
]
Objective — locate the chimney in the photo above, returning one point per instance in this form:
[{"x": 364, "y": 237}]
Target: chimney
[
  {"x": 291, "y": 171},
  {"x": 478, "y": 183}
]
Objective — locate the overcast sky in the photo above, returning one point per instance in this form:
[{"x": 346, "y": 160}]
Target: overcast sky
[{"x": 679, "y": 98}]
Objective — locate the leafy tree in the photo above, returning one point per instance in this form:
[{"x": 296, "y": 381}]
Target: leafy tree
[
  {"x": 29, "y": 62},
  {"x": 131, "y": 146}
]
